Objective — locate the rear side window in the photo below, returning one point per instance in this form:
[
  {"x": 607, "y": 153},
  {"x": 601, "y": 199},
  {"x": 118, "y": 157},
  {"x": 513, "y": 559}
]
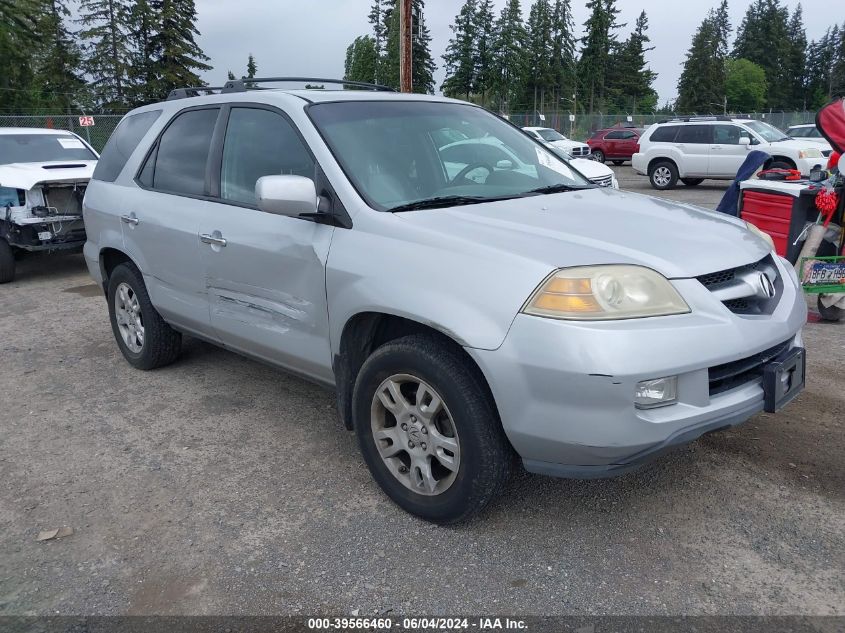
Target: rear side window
[
  {"x": 615, "y": 134},
  {"x": 178, "y": 162},
  {"x": 696, "y": 134},
  {"x": 122, "y": 143},
  {"x": 259, "y": 143},
  {"x": 665, "y": 134}
]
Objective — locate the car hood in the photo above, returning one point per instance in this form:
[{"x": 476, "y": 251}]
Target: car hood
[
  {"x": 598, "y": 226},
  {"x": 798, "y": 144},
  {"x": 566, "y": 144},
  {"x": 27, "y": 175},
  {"x": 590, "y": 168}
]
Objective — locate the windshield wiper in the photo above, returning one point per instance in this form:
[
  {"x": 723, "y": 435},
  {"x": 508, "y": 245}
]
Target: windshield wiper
[
  {"x": 438, "y": 202},
  {"x": 560, "y": 188}
]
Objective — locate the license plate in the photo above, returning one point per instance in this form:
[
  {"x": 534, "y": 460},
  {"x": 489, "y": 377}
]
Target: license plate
[
  {"x": 45, "y": 235},
  {"x": 783, "y": 378}
]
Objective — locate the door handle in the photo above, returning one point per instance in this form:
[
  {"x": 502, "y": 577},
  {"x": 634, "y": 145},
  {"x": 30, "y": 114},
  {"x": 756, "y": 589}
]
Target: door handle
[
  {"x": 217, "y": 240},
  {"x": 715, "y": 147},
  {"x": 130, "y": 219}
]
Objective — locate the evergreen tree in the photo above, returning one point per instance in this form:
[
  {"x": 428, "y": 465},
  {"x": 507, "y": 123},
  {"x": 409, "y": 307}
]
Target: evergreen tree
[
  {"x": 837, "y": 74},
  {"x": 176, "y": 57},
  {"x": 18, "y": 44},
  {"x": 251, "y": 68},
  {"x": 422, "y": 63},
  {"x": 629, "y": 78},
  {"x": 595, "y": 52},
  {"x": 59, "y": 59},
  {"x": 821, "y": 59},
  {"x": 701, "y": 87},
  {"x": 230, "y": 75},
  {"x": 461, "y": 54},
  {"x": 540, "y": 51},
  {"x": 361, "y": 60},
  {"x": 763, "y": 38},
  {"x": 509, "y": 62},
  {"x": 423, "y": 66},
  {"x": 108, "y": 50},
  {"x": 484, "y": 51},
  {"x": 745, "y": 85},
  {"x": 143, "y": 24},
  {"x": 797, "y": 61},
  {"x": 563, "y": 50}
]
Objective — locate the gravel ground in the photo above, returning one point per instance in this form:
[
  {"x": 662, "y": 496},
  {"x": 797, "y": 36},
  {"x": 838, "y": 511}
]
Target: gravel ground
[{"x": 221, "y": 486}]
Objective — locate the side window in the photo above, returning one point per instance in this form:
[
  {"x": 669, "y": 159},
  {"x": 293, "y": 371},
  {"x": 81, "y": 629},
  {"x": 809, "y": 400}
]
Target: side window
[
  {"x": 627, "y": 134},
  {"x": 614, "y": 135},
  {"x": 259, "y": 143},
  {"x": 665, "y": 134},
  {"x": 726, "y": 134},
  {"x": 122, "y": 143},
  {"x": 694, "y": 134},
  {"x": 177, "y": 163}
]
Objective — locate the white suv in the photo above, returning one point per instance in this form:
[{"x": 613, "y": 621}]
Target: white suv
[{"x": 692, "y": 149}]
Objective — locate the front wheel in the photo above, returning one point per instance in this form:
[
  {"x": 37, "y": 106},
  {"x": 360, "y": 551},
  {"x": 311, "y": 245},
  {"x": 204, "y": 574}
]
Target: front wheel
[
  {"x": 829, "y": 313},
  {"x": 618, "y": 162},
  {"x": 663, "y": 175},
  {"x": 144, "y": 338},
  {"x": 598, "y": 155},
  {"x": 692, "y": 182},
  {"x": 428, "y": 429}
]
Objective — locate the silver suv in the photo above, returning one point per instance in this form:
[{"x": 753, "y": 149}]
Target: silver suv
[{"x": 467, "y": 314}]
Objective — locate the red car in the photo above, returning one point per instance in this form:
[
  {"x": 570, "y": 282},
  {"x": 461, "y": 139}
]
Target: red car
[{"x": 617, "y": 144}]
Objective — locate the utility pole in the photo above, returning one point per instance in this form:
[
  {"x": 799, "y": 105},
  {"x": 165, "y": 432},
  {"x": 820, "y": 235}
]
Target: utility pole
[{"x": 405, "y": 46}]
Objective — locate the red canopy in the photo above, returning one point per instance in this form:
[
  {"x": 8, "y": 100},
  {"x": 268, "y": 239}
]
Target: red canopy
[{"x": 831, "y": 123}]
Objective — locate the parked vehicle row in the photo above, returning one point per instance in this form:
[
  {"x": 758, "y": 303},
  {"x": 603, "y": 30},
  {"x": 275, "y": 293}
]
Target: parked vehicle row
[{"x": 471, "y": 297}]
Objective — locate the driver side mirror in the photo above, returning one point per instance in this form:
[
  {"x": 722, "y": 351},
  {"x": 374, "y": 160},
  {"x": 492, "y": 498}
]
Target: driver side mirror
[
  {"x": 286, "y": 195},
  {"x": 744, "y": 140},
  {"x": 504, "y": 164}
]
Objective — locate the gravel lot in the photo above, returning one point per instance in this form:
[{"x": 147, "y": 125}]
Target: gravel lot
[{"x": 221, "y": 486}]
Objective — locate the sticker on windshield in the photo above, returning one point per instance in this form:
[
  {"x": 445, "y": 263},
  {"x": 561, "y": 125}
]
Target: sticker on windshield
[
  {"x": 547, "y": 160},
  {"x": 71, "y": 143}
]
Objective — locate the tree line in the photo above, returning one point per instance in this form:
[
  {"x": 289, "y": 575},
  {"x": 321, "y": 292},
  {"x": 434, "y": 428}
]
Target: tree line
[
  {"x": 771, "y": 65},
  {"x": 116, "y": 55}
]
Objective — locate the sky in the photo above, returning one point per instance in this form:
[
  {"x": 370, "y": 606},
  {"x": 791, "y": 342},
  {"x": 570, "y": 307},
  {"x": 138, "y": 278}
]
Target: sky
[{"x": 309, "y": 37}]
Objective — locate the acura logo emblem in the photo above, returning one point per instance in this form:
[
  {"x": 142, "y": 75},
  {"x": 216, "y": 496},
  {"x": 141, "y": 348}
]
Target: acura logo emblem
[{"x": 767, "y": 288}]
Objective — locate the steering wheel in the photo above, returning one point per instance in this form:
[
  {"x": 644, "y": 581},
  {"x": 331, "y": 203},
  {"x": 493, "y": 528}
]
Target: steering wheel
[{"x": 468, "y": 169}]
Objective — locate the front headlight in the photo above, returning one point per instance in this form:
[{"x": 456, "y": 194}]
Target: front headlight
[
  {"x": 810, "y": 153},
  {"x": 600, "y": 293},
  {"x": 761, "y": 234}
]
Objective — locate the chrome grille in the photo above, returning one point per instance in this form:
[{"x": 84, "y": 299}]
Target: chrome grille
[
  {"x": 603, "y": 181},
  {"x": 580, "y": 151},
  {"x": 751, "y": 289}
]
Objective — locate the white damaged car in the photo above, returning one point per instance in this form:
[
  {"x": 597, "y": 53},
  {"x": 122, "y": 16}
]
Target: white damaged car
[{"x": 43, "y": 176}]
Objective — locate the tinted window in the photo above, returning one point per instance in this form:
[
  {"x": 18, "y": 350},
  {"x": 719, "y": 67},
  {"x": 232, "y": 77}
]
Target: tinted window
[
  {"x": 122, "y": 143},
  {"x": 182, "y": 153},
  {"x": 727, "y": 134},
  {"x": 550, "y": 135},
  {"x": 615, "y": 134},
  {"x": 665, "y": 134},
  {"x": 36, "y": 148},
  {"x": 627, "y": 134},
  {"x": 694, "y": 134},
  {"x": 259, "y": 143}
]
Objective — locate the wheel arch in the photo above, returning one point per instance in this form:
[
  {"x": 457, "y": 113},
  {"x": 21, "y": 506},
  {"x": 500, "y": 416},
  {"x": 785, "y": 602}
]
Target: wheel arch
[
  {"x": 111, "y": 258},
  {"x": 784, "y": 159},
  {"x": 365, "y": 332},
  {"x": 662, "y": 159}
]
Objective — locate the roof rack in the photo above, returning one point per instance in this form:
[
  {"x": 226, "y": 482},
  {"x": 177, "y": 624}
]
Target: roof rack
[
  {"x": 194, "y": 91},
  {"x": 249, "y": 83},
  {"x": 694, "y": 119}
]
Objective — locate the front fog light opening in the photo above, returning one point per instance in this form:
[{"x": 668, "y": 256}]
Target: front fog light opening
[{"x": 659, "y": 392}]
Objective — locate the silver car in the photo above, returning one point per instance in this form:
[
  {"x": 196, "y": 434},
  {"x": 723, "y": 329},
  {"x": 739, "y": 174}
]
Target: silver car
[{"x": 469, "y": 317}]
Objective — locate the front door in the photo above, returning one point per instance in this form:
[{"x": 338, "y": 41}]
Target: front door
[
  {"x": 726, "y": 153},
  {"x": 693, "y": 142},
  {"x": 265, "y": 273}
]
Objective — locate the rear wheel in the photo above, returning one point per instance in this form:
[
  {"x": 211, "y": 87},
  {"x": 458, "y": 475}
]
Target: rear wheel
[
  {"x": 598, "y": 155},
  {"x": 7, "y": 262},
  {"x": 663, "y": 175},
  {"x": 692, "y": 182},
  {"x": 618, "y": 162},
  {"x": 781, "y": 164},
  {"x": 831, "y": 313},
  {"x": 143, "y": 337},
  {"x": 428, "y": 429}
]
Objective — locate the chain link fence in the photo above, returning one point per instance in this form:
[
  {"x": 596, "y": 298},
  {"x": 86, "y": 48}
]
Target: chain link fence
[
  {"x": 585, "y": 124},
  {"x": 580, "y": 129},
  {"x": 96, "y": 134}
]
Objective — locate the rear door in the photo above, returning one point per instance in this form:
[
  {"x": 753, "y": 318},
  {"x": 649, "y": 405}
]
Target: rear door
[
  {"x": 693, "y": 142},
  {"x": 627, "y": 144},
  {"x": 611, "y": 143},
  {"x": 265, "y": 274},
  {"x": 161, "y": 222},
  {"x": 726, "y": 153}
]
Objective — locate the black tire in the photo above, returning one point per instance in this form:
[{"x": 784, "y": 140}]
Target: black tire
[
  {"x": 486, "y": 457},
  {"x": 663, "y": 175},
  {"x": 831, "y": 313},
  {"x": 692, "y": 182},
  {"x": 618, "y": 162},
  {"x": 7, "y": 262},
  {"x": 598, "y": 156},
  {"x": 781, "y": 164},
  {"x": 161, "y": 344}
]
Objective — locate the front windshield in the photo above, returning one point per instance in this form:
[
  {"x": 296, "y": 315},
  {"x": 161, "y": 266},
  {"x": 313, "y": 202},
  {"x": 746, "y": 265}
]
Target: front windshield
[
  {"x": 37, "y": 148},
  {"x": 551, "y": 135},
  {"x": 397, "y": 153},
  {"x": 769, "y": 133}
]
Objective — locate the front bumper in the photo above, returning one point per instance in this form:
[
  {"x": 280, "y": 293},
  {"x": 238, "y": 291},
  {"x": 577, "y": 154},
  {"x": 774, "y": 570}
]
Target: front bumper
[{"x": 565, "y": 390}]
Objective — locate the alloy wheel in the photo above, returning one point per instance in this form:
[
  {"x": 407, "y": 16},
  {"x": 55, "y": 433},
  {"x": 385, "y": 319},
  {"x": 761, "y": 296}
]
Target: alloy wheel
[
  {"x": 662, "y": 176},
  {"x": 127, "y": 314}
]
